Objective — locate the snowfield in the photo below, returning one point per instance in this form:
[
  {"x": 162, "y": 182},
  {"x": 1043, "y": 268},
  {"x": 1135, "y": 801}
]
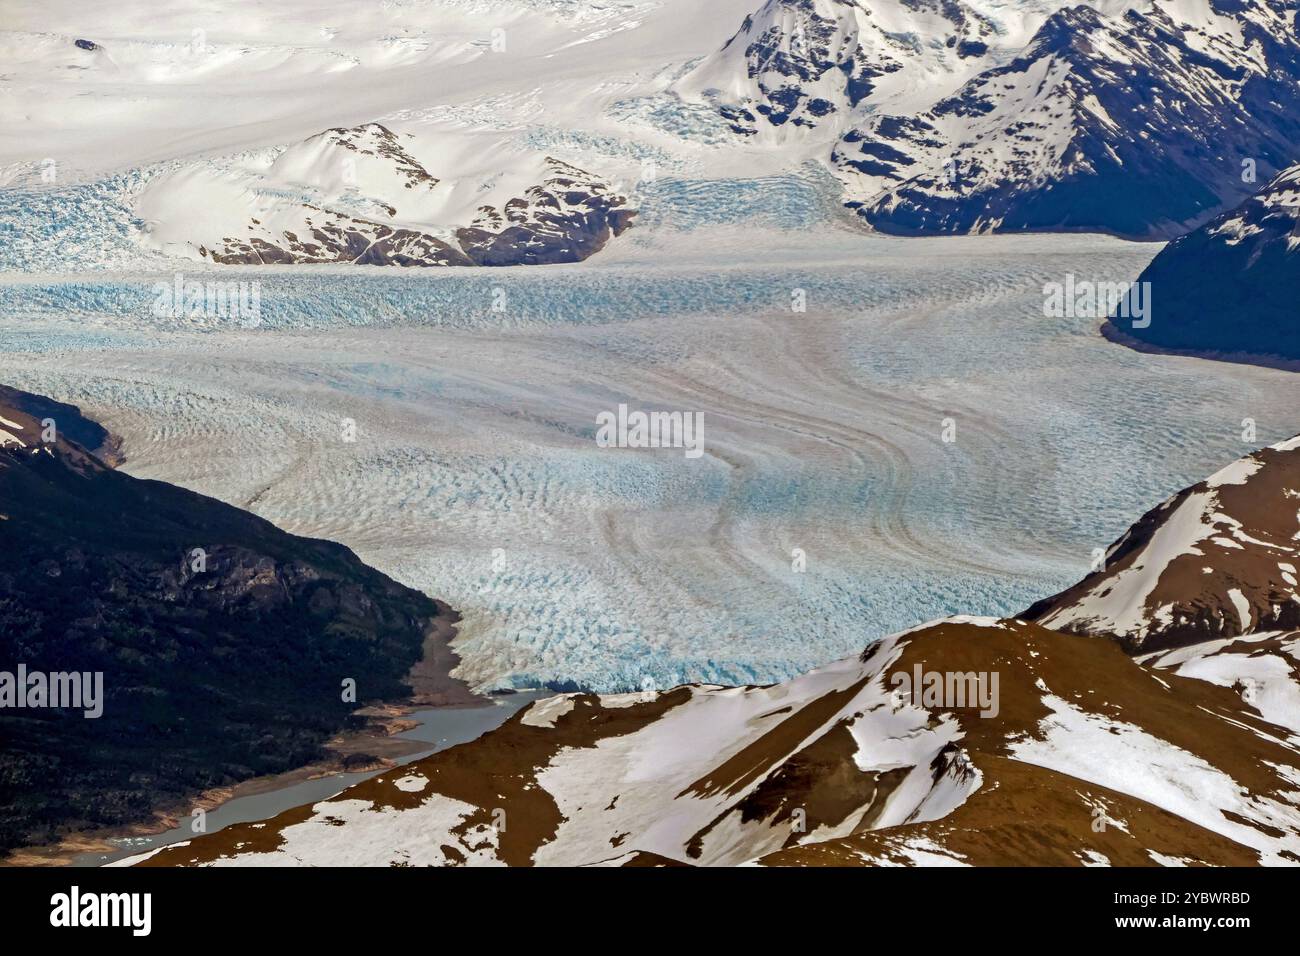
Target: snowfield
[{"x": 195, "y": 130}]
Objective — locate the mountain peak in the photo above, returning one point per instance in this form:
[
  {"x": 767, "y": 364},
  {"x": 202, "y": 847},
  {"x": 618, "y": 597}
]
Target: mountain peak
[{"x": 1217, "y": 560}]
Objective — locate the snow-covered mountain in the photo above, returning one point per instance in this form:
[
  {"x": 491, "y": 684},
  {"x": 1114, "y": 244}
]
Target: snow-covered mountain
[
  {"x": 1133, "y": 118},
  {"x": 360, "y": 195},
  {"x": 1229, "y": 288},
  {"x": 1135, "y": 122},
  {"x": 228, "y": 132},
  {"x": 801, "y": 65},
  {"x": 228, "y": 138},
  {"x": 965, "y": 741},
  {"x": 1087, "y": 760},
  {"x": 1217, "y": 560}
]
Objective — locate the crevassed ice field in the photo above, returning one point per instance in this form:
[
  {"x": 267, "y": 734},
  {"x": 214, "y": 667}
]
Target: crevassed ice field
[
  {"x": 475, "y": 474},
  {"x": 476, "y": 477}
]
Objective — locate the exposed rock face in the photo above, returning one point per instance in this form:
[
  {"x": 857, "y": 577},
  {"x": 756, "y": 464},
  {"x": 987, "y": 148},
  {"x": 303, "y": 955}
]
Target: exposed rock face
[
  {"x": 1135, "y": 124},
  {"x": 1217, "y": 560},
  {"x": 360, "y": 196},
  {"x": 68, "y": 422},
  {"x": 565, "y": 218},
  {"x": 1230, "y": 288},
  {"x": 332, "y": 237},
  {"x": 223, "y": 641}
]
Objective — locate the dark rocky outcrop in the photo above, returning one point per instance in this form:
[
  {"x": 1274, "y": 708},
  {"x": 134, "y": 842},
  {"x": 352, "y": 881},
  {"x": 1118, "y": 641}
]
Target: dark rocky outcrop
[
  {"x": 223, "y": 641},
  {"x": 567, "y": 215},
  {"x": 566, "y": 218},
  {"x": 1229, "y": 289},
  {"x": 1135, "y": 122}
]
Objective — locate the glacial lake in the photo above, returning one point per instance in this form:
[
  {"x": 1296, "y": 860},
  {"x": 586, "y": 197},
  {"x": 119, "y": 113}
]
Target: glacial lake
[{"x": 440, "y": 727}]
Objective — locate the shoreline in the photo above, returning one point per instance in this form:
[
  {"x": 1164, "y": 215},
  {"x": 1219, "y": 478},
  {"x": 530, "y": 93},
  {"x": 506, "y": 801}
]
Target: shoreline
[
  {"x": 1112, "y": 333},
  {"x": 381, "y": 740},
  {"x": 379, "y": 744}
]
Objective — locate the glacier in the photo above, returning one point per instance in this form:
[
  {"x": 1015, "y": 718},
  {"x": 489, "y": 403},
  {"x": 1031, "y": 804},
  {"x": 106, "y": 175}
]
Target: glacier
[
  {"x": 474, "y": 473},
  {"x": 826, "y": 361}
]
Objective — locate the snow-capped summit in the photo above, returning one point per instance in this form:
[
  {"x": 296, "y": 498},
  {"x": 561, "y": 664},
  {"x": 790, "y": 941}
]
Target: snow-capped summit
[
  {"x": 966, "y": 741},
  {"x": 1217, "y": 560},
  {"x": 801, "y": 65},
  {"x": 1132, "y": 117},
  {"x": 1134, "y": 121},
  {"x": 370, "y": 161},
  {"x": 362, "y": 195}
]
